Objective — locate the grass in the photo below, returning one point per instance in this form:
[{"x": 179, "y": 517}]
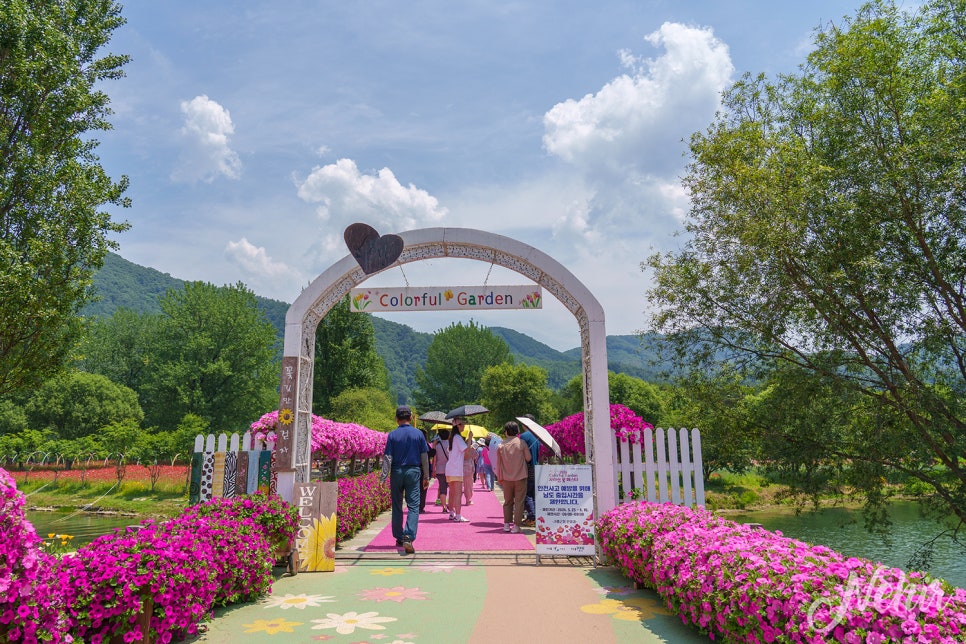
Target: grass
[{"x": 97, "y": 490}]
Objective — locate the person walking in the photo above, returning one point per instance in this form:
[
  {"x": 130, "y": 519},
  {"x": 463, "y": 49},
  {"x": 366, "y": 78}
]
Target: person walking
[
  {"x": 534, "y": 444},
  {"x": 407, "y": 454},
  {"x": 459, "y": 451},
  {"x": 469, "y": 462},
  {"x": 483, "y": 464},
  {"x": 441, "y": 443},
  {"x": 512, "y": 458}
]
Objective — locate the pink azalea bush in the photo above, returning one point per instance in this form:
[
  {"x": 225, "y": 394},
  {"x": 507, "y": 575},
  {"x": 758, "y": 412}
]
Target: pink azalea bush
[
  {"x": 110, "y": 580},
  {"x": 31, "y": 608},
  {"x": 330, "y": 440},
  {"x": 361, "y": 499},
  {"x": 739, "y": 583},
  {"x": 569, "y": 432}
]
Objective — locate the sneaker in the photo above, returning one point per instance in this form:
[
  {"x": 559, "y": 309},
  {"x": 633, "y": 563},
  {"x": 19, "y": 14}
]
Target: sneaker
[
  {"x": 506, "y": 528},
  {"x": 461, "y": 519},
  {"x": 438, "y": 502},
  {"x": 408, "y": 547},
  {"x": 529, "y": 523},
  {"x": 399, "y": 542},
  {"x": 514, "y": 530},
  {"x": 469, "y": 503},
  {"x": 444, "y": 510},
  {"x": 452, "y": 516}
]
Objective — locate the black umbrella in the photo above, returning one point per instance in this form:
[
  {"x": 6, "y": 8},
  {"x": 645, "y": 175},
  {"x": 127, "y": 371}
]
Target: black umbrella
[
  {"x": 467, "y": 410},
  {"x": 434, "y": 417}
]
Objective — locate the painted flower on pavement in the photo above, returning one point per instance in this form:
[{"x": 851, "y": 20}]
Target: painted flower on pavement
[
  {"x": 271, "y": 626},
  {"x": 395, "y": 594},
  {"x": 631, "y": 609},
  {"x": 387, "y": 572},
  {"x": 443, "y": 566},
  {"x": 296, "y": 601},
  {"x": 347, "y": 623}
]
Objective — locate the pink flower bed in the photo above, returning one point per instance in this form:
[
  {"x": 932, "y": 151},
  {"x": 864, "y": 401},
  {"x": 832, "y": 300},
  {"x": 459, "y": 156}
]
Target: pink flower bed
[
  {"x": 215, "y": 553},
  {"x": 330, "y": 440},
  {"x": 569, "y": 432},
  {"x": 739, "y": 583}
]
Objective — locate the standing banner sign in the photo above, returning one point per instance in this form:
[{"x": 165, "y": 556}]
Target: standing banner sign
[{"x": 565, "y": 510}]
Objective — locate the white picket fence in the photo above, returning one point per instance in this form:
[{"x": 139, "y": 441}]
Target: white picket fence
[
  {"x": 230, "y": 470},
  {"x": 669, "y": 470}
]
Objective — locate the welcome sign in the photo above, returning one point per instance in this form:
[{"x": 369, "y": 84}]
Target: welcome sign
[{"x": 445, "y": 298}]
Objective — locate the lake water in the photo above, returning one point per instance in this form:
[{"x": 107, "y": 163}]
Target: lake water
[
  {"x": 842, "y": 530},
  {"x": 84, "y": 527}
]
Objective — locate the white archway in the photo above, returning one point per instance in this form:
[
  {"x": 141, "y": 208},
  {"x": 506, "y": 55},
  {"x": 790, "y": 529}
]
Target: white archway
[{"x": 328, "y": 289}]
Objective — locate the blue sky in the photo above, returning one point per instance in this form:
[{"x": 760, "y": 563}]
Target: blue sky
[{"x": 253, "y": 133}]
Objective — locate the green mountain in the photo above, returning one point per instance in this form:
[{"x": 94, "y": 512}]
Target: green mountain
[{"x": 121, "y": 283}]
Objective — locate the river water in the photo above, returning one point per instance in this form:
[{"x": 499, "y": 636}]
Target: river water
[{"x": 842, "y": 530}]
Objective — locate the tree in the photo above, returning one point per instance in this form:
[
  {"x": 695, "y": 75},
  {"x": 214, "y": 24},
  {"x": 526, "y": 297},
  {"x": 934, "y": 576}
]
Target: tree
[
  {"x": 216, "y": 356},
  {"x": 345, "y": 357},
  {"x": 455, "y": 363},
  {"x": 372, "y": 408},
  {"x": 510, "y": 390},
  {"x": 644, "y": 398},
  {"x": 77, "y": 404},
  {"x": 52, "y": 187},
  {"x": 828, "y": 231},
  {"x": 120, "y": 347}
]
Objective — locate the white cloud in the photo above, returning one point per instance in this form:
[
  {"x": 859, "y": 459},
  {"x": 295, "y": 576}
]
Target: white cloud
[
  {"x": 635, "y": 122},
  {"x": 260, "y": 271},
  {"x": 346, "y": 195},
  {"x": 206, "y": 153}
]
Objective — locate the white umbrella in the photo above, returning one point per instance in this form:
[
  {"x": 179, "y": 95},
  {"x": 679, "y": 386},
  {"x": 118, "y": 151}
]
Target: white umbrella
[{"x": 542, "y": 434}]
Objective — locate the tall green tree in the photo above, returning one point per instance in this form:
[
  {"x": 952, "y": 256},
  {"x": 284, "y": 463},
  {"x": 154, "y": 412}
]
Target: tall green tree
[
  {"x": 372, "y": 408},
  {"x": 345, "y": 357},
  {"x": 215, "y": 356},
  {"x": 828, "y": 230},
  {"x": 456, "y": 361},
  {"x": 509, "y": 391},
  {"x": 120, "y": 347},
  {"x": 77, "y": 404},
  {"x": 53, "y": 229}
]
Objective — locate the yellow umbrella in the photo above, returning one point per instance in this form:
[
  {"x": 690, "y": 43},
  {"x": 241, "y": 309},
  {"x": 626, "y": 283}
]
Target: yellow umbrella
[{"x": 475, "y": 431}]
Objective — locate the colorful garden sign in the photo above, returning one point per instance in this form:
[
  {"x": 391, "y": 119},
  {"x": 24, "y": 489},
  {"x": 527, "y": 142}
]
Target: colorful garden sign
[
  {"x": 445, "y": 298},
  {"x": 565, "y": 510},
  {"x": 316, "y": 540}
]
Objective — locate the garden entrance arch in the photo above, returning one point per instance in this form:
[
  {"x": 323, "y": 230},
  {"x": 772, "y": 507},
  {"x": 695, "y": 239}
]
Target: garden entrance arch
[{"x": 295, "y": 415}]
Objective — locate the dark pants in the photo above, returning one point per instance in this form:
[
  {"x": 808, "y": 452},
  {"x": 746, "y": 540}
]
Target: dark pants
[
  {"x": 404, "y": 483},
  {"x": 529, "y": 505}
]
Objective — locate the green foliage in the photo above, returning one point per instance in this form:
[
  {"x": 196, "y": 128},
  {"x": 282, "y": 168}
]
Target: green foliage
[
  {"x": 345, "y": 357},
  {"x": 509, "y": 391},
  {"x": 78, "y": 404},
  {"x": 124, "y": 437},
  {"x": 120, "y": 347},
  {"x": 372, "y": 408},
  {"x": 827, "y": 231},
  {"x": 403, "y": 351},
  {"x": 215, "y": 356},
  {"x": 13, "y": 418},
  {"x": 183, "y": 436},
  {"x": 455, "y": 363},
  {"x": 52, "y": 186}
]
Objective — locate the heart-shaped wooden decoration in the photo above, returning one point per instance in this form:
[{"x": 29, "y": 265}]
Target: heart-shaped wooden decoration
[{"x": 372, "y": 251}]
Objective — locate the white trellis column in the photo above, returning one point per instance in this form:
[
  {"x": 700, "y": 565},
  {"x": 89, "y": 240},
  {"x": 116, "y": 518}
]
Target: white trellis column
[{"x": 326, "y": 290}]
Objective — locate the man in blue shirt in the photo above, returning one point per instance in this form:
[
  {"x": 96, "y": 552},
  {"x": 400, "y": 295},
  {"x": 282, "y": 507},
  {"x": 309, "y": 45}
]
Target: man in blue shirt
[{"x": 409, "y": 471}]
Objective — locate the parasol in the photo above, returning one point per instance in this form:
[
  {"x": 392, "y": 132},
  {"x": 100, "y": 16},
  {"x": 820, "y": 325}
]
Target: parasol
[
  {"x": 467, "y": 410},
  {"x": 475, "y": 431},
  {"x": 542, "y": 434},
  {"x": 434, "y": 417}
]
